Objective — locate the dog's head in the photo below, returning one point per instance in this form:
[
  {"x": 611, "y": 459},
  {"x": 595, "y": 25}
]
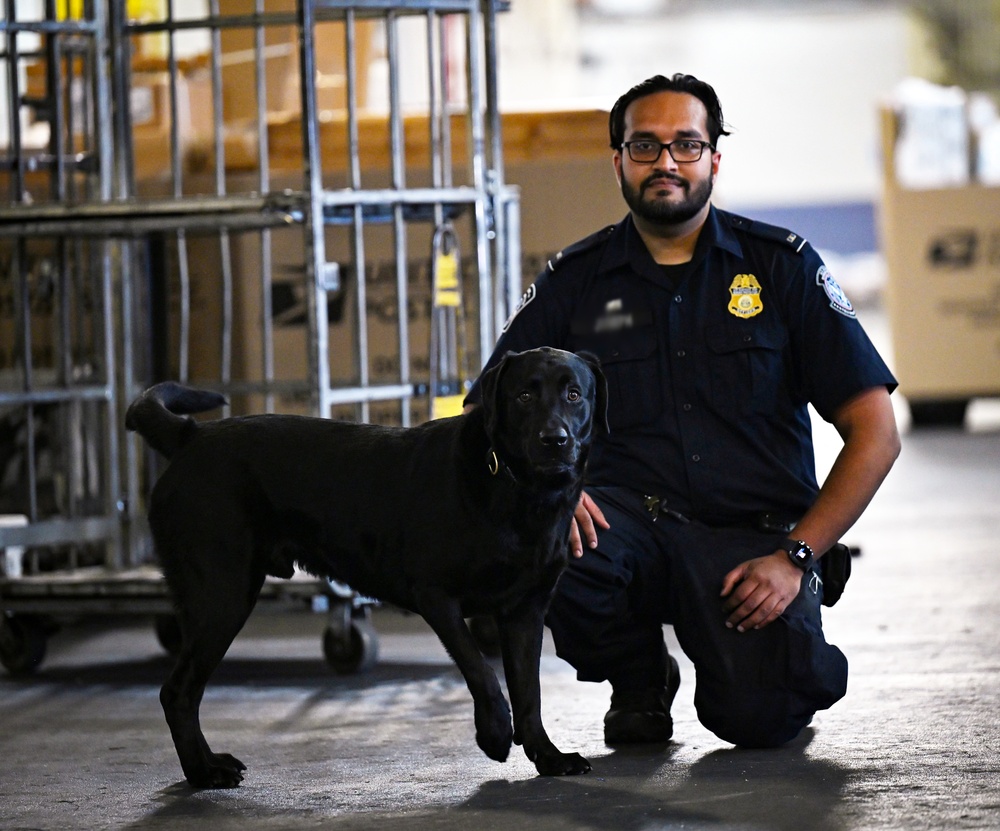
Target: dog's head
[{"x": 543, "y": 406}]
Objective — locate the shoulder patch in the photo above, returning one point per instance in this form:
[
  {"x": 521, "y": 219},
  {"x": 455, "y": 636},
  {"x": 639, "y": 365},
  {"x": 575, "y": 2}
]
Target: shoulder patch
[
  {"x": 769, "y": 232},
  {"x": 834, "y": 293},
  {"x": 526, "y": 298},
  {"x": 579, "y": 247}
]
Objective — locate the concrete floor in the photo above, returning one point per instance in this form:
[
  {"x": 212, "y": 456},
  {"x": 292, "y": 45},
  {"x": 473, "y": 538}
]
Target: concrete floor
[{"x": 914, "y": 745}]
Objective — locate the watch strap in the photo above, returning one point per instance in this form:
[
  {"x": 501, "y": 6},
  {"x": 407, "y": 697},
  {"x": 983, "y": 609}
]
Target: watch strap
[{"x": 799, "y": 553}]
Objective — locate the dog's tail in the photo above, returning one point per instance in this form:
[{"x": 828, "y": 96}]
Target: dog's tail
[{"x": 160, "y": 415}]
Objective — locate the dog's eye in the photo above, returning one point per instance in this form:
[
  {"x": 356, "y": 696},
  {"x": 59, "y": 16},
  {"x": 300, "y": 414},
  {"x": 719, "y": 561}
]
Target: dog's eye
[
  {"x": 573, "y": 395},
  {"x": 524, "y": 397}
]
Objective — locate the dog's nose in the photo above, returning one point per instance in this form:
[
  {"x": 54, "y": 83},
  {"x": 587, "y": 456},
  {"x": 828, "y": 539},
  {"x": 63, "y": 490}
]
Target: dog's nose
[{"x": 554, "y": 437}]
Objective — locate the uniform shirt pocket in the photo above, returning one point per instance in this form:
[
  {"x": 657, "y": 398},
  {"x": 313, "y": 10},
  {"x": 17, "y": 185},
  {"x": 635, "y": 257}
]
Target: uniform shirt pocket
[
  {"x": 631, "y": 365},
  {"x": 747, "y": 367}
]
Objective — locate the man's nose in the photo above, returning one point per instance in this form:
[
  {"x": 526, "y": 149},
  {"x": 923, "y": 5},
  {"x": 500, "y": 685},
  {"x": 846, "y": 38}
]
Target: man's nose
[{"x": 665, "y": 161}]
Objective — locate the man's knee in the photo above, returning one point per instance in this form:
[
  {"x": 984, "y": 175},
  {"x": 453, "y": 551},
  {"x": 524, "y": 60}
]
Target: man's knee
[
  {"x": 752, "y": 720},
  {"x": 579, "y": 614},
  {"x": 593, "y": 631}
]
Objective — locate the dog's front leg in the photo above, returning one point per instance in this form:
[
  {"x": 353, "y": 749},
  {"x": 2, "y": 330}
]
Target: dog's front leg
[
  {"x": 521, "y": 645},
  {"x": 494, "y": 733}
]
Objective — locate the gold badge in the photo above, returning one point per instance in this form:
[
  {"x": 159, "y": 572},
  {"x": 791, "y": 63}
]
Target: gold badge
[{"x": 746, "y": 296}]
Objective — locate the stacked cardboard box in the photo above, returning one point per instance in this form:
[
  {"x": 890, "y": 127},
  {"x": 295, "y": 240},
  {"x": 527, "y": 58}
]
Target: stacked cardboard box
[{"x": 942, "y": 247}]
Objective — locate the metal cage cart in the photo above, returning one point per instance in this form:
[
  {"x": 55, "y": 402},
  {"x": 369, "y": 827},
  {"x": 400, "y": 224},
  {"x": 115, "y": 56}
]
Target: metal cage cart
[{"x": 241, "y": 218}]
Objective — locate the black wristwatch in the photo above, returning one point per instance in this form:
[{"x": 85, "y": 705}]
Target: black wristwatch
[{"x": 799, "y": 553}]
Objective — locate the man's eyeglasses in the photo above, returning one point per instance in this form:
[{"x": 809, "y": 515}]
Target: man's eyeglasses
[{"x": 645, "y": 151}]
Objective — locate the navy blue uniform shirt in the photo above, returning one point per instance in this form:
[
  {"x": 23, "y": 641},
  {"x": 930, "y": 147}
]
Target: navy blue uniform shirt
[{"x": 710, "y": 365}]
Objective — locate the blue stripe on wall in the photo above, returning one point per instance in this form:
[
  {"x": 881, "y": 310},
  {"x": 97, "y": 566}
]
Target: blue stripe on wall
[{"x": 844, "y": 227}]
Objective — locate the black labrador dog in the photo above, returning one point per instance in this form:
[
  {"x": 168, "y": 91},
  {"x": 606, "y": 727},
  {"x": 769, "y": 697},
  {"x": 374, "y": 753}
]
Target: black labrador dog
[{"x": 461, "y": 517}]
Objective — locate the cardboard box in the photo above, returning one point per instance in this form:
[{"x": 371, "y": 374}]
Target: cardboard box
[
  {"x": 150, "y": 110},
  {"x": 281, "y": 65},
  {"x": 942, "y": 249},
  {"x": 528, "y": 137},
  {"x": 281, "y": 62},
  {"x": 238, "y": 95}
]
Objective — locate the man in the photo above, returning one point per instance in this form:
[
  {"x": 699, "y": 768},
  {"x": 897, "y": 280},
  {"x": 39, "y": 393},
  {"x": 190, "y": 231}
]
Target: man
[{"x": 714, "y": 332}]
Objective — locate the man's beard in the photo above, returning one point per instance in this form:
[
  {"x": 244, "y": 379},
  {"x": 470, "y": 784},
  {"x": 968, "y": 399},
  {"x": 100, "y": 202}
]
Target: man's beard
[{"x": 664, "y": 212}]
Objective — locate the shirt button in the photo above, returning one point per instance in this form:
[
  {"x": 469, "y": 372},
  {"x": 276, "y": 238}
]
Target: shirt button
[
  {"x": 696, "y": 458},
  {"x": 677, "y": 298},
  {"x": 687, "y": 408},
  {"x": 747, "y": 338},
  {"x": 681, "y": 353}
]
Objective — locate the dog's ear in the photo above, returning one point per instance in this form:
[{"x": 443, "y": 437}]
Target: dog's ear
[
  {"x": 600, "y": 418},
  {"x": 490, "y": 387}
]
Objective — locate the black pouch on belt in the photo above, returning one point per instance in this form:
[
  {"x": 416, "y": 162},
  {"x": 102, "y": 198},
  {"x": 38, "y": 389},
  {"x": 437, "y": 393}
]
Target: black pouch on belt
[{"x": 835, "y": 566}]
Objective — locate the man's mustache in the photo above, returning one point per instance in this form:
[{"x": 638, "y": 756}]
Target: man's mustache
[{"x": 664, "y": 177}]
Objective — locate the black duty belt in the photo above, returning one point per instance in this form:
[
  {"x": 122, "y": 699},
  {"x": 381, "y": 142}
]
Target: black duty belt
[
  {"x": 766, "y": 521},
  {"x": 835, "y": 565}
]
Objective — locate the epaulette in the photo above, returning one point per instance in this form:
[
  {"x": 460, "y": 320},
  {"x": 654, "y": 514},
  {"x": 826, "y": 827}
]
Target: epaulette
[
  {"x": 579, "y": 247},
  {"x": 769, "y": 232}
]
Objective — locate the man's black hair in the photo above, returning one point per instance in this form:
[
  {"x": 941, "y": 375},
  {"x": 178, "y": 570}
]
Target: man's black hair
[{"x": 678, "y": 83}]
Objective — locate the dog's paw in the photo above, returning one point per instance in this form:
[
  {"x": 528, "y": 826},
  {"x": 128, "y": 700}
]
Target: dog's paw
[
  {"x": 494, "y": 732},
  {"x": 561, "y": 764},
  {"x": 228, "y": 760},
  {"x": 221, "y": 771}
]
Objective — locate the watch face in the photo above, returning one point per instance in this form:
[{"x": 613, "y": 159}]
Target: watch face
[{"x": 799, "y": 553}]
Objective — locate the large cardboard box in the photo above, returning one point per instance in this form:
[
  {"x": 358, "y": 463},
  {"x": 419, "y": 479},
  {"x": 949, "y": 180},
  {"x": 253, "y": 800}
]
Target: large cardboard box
[{"x": 942, "y": 249}]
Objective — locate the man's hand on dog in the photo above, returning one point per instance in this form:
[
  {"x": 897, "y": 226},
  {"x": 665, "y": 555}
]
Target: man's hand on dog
[{"x": 586, "y": 519}]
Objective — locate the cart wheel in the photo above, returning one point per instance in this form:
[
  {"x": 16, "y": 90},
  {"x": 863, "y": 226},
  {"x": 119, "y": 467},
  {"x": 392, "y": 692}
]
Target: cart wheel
[
  {"x": 353, "y": 651},
  {"x": 484, "y": 630},
  {"x": 22, "y": 644},
  {"x": 168, "y": 633}
]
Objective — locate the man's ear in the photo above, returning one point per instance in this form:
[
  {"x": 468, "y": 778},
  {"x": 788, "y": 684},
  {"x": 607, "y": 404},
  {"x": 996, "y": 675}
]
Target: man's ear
[
  {"x": 600, "y": 418},
  {"x": 490, "y": 387}
]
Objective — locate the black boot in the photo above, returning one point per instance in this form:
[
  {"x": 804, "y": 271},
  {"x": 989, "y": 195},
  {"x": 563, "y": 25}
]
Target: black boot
[{"x": 643, "y": 715}]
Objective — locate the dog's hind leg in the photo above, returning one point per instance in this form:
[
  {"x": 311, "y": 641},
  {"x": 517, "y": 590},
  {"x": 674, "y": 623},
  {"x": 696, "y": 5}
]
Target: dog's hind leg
[
  {"x": 494, "y": 732},
  {"x": 211, "y": 615}
]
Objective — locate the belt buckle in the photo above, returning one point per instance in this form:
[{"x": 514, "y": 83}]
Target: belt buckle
[
  {"x": 657, "y": 505},
  {"x": 652, "y": 504}
]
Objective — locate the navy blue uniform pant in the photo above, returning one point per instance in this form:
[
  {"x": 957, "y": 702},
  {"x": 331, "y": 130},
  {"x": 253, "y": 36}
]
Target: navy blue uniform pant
[{"x": 755, "y": 689}]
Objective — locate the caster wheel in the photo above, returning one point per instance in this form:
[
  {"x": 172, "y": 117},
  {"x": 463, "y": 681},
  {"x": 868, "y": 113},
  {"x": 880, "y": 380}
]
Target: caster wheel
[
  {"x": 946, "y": 412},
  {"x": 484, "y": 630},
  {"x": 353, "y": 651},
  {"x": 22, "y": 644},
  {"x": 168, "y": 633}
]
